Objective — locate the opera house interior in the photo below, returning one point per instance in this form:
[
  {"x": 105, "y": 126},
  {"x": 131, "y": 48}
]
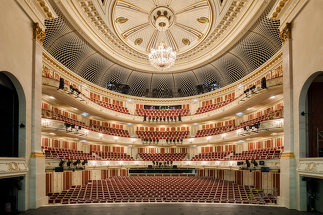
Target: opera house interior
[{"x": 168, "y": 104}]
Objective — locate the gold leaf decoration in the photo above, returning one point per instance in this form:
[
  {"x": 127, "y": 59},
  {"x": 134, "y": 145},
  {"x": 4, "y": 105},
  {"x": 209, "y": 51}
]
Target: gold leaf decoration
[
  {"x": 121, "y": 20},
  {"x": 186, "y": 41},
  {"x": 138, "y": 41},
  {"x": 203, "y": 20}
]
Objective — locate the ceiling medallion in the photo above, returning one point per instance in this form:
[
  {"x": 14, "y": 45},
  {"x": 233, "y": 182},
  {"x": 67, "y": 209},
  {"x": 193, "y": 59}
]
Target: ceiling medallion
[
  {"x": 162, "y": 58},
  {"x": 121, "y": 20},
  {"x": 138, "y": 41},
  {"x": 186, "y": 41},
  {"x": 203, "y": 20},
  {"x": 162, "y": 18}
]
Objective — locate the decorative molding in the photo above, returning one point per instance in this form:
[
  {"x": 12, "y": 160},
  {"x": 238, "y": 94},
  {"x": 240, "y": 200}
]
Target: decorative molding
[
  {"x": 287, "y": 155},
  {"x": 313, "y": 168},
  {"x": 38, "y": 10},
  {"x": 286, "y": 33},
  {"x": 278, "y": 9},
  {"x": 37, "y": 155},
  {"x": 12, "y": 167},
  {"x": 39, "y": 34}
]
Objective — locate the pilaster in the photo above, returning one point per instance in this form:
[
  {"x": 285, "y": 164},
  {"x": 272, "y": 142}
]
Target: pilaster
[
  {"x": 37, "y": 176},
  {"x": 288, "y": 163}
]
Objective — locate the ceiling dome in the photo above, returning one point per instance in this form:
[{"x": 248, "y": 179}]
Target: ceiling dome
[
  {"x": 180, "y": 24},
  {"x": 77, "y": 48}
]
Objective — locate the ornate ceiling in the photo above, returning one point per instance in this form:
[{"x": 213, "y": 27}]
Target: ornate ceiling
[
  {"x": 108, "y": 42},
  {"x": 180, "y": 24}
]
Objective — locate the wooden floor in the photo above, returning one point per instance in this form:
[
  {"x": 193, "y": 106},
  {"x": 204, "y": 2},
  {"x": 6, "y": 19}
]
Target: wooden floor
[{"x": 164, "y": 209}]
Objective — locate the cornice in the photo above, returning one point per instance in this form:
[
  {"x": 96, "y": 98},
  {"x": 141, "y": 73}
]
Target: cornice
[
  {"x": 38, "y": 10},
  {"x": 286, "y": 11},
  {"x": 12, "y": 167}
]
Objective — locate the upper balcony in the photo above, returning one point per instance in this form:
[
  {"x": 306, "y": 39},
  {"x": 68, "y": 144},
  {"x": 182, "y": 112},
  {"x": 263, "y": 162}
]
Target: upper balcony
[{"x": 88, "y": 97}]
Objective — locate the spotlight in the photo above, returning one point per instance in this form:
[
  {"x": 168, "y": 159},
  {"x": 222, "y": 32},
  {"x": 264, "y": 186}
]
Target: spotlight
[
  {"x": 255, "y": 163},
  {"x": 248, "y": 163},
  {"x": 69, "y": 163},
  {"x": 239, "y": 163},
  {"x": 261, "y": 163},
  {"x": 61, "y": 163}
]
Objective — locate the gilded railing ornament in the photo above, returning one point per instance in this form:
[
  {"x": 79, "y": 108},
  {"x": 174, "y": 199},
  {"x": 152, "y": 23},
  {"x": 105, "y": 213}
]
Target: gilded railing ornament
[
  {"x": 39, "y": 34},
  {"x": 286, "y": 33}
]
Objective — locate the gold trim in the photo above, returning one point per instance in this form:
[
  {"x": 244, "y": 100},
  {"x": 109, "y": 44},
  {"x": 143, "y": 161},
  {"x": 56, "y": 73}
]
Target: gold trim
[
  {"x": 279, "y": 9},
  {"x": 286, "y": 33},
  {"x": 39, "y": 34},
  {"x": 37, "y": 155},
  {"x": 287, "y": 155}
]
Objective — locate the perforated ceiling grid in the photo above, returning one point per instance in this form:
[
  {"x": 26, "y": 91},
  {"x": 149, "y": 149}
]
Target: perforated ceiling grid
[{"x": 259, "y": 44}]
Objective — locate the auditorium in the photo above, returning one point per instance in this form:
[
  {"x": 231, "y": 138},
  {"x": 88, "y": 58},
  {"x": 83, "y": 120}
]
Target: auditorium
[{"x": 161, "y": 107}]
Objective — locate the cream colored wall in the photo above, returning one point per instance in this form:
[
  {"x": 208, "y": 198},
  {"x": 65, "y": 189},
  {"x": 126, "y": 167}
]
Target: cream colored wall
[
  {"x": 307, "y": 59},
  {"x": 16, "y": 57}
]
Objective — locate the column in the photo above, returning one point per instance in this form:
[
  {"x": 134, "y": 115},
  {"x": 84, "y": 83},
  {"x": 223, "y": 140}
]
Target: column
[
  {"x": 287, "y": 162},
  {"x": 37, "y": 176}
]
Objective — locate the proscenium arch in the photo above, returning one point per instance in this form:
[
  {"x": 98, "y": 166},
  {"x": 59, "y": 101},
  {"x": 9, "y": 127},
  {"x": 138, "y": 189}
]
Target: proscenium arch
[
  {"x": 21, "y": 113},
  {"x": 302, "y": 122}
]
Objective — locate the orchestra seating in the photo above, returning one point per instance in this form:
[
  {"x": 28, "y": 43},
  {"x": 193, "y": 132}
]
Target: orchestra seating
[
  {"x": 160, "y": 189},
  {"x": 162, "y": 113},
  {"x": 211, "y": 156},
  {"x": 58, "y": 153},
  {"x": 258, "y": 154},
  {"x": 162, "y": 156},
  {"x": 114, "y": 156},
  {"x": 170, "y": 135}
]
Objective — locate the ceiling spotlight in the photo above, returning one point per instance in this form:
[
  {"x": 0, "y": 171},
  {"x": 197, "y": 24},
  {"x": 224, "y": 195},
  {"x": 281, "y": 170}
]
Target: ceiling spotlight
[
  {"x": 84, "y": 114},
  {"x": 272, "y": 97},
  {"x": 239, "y": 114},
  {"x": 51, "y": 97}
]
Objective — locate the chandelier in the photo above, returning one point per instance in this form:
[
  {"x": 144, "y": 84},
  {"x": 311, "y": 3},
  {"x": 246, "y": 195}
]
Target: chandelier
[{"x": 162, "y": 58}]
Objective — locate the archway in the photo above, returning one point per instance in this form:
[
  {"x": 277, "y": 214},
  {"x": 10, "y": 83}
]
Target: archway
[
  {"x": 311, "y": 119},
  {"x": 13, "y": 140}
]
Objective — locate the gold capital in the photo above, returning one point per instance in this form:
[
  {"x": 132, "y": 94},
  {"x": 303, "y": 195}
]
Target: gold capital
[
  {"x": 287, "y": 155},
  {"x": 37, "y": 155},
  {"x": 286, "y": 33},
  {"x": 39, "y": 34}
]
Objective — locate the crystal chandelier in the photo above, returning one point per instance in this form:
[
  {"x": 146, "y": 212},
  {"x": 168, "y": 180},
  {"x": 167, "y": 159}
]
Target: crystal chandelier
[{"x": 162, "y": 58}]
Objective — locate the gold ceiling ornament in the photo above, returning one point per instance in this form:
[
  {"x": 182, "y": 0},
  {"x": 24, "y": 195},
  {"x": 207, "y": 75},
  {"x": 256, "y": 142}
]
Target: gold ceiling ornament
[
  {"x": 186, "y": 41},
  {"x": 121, "y": 20},
  {"x": 286, "y": 33},
  {"x": 138, "y": 41},
  {"x": 203, "y": 20},
  {"x": 39, "y": 34}
]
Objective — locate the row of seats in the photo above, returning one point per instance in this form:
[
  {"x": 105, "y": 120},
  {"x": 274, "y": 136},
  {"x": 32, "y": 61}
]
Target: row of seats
[
  {"x": 215, "y": 131},
  {"x": 110, "y": 131},
  {"x": 211, "y": 156},
  {"x": 113, "y": 107},
  {"x": 228, "y": 128},
  {"x": 114, "y": 156},
  {"x": 101, "y": 129},
  {"x": 162, "y": 134},
  {"x": 162, "y": 113},
  {"x": 66, "y": 154},
  {"x": 261, "y": 154},
  {"x": 215, "y": 106},
  {"x": 162, "y": 156},
  {"x": 161, "y": 189},
  {"x": 258, "y": 154}
]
